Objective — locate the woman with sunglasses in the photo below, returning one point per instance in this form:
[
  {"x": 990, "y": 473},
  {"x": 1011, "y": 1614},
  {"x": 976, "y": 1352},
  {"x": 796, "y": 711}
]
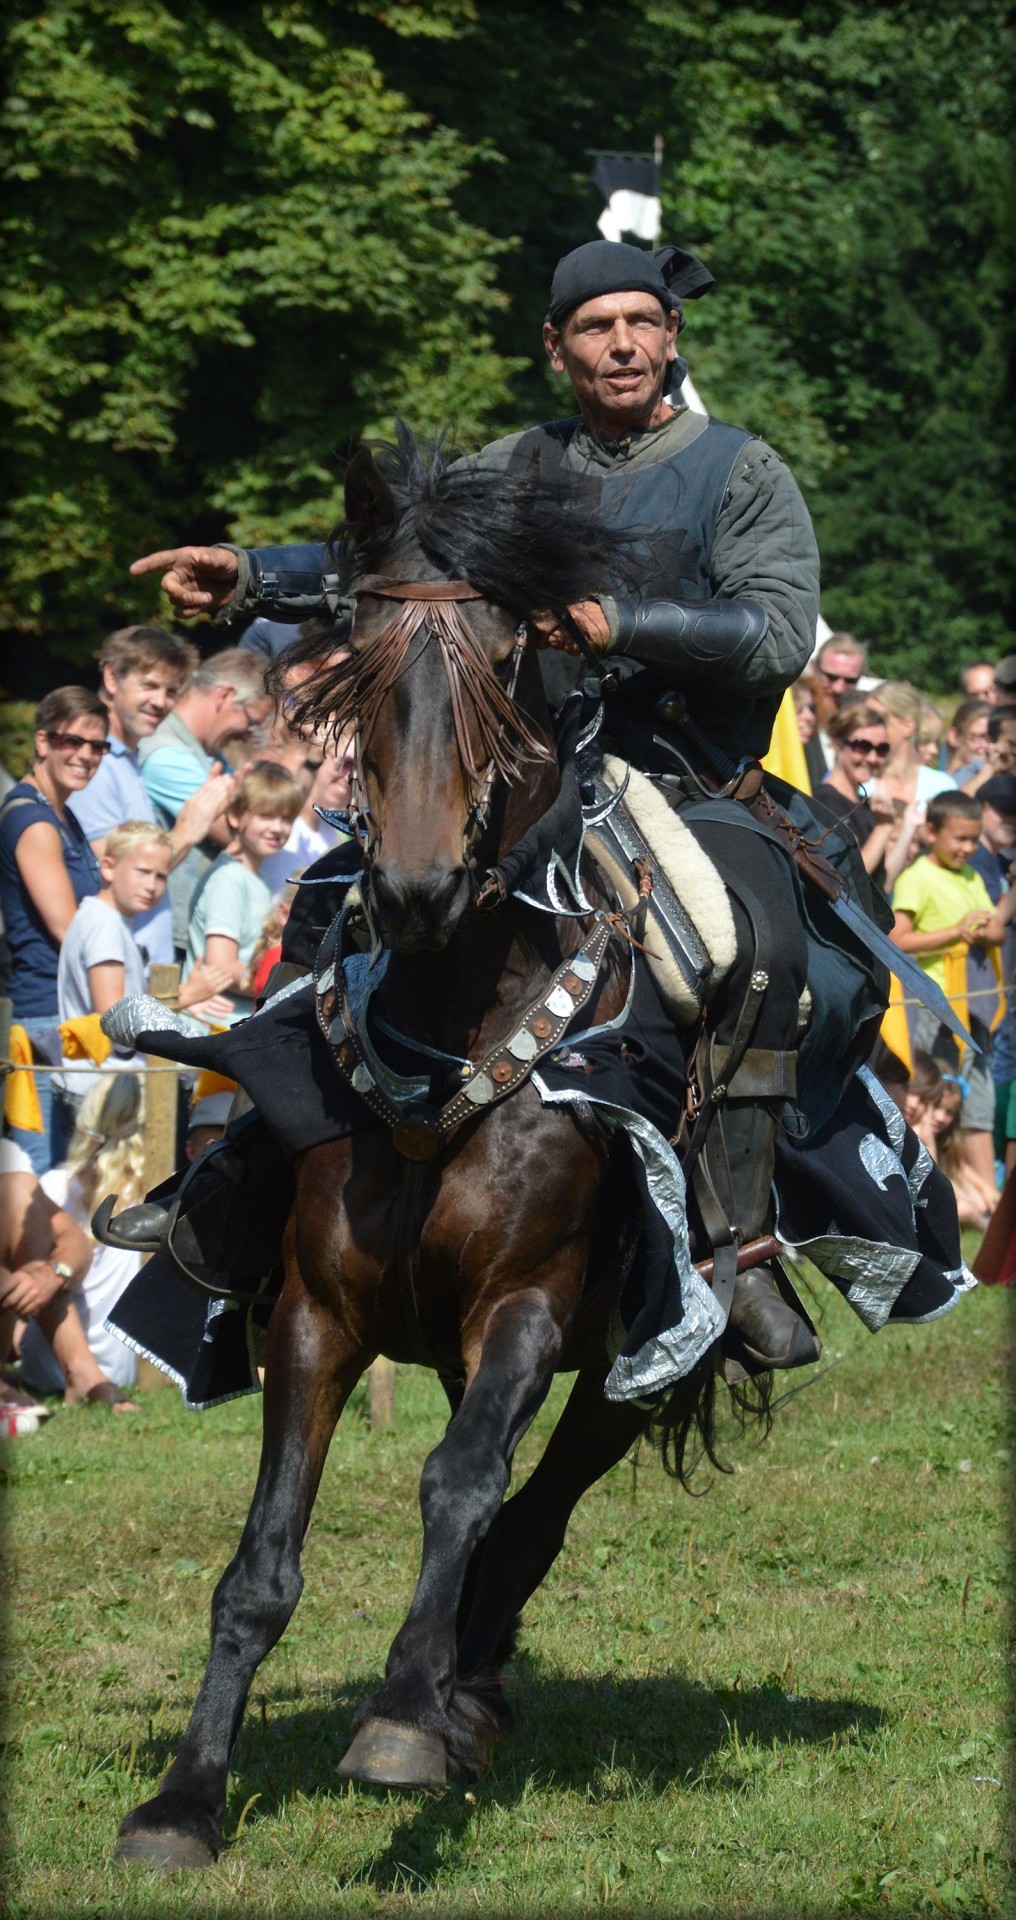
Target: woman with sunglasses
[
  {"x": 852, "y": 791},
  {"x": 907, "y": 777},
  {"x": 46, "y": 869}
]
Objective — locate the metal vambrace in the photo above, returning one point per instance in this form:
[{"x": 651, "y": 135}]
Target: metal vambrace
[{"x": 693, "y": 642}]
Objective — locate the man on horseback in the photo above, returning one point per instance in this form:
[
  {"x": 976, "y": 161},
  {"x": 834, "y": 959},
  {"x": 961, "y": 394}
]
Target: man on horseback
[{"x": 693, "y": 653}]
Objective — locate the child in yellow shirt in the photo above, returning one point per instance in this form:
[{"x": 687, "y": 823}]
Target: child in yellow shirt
[{"x": 942, "y": 902}]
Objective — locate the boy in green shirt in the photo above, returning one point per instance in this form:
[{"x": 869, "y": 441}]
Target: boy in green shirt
[{"x": 942, "y": 902}]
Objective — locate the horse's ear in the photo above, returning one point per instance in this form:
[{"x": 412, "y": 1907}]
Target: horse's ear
[{"x": 370, "y": 504}]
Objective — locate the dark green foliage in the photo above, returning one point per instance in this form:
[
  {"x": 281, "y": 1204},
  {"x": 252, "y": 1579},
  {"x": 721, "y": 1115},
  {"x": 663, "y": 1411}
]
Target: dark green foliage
[{"x": 238, "y": 240}]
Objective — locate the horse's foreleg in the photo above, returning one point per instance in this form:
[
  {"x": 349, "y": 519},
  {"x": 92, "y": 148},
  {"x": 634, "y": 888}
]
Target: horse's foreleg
[
  {"x": 311, "y": 1370},
  {"x": 413, "y": 1732},
  {"x": 591, "y": 1436}
]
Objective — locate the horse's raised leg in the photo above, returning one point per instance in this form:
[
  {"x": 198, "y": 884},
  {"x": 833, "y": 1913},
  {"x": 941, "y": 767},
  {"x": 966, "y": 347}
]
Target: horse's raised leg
[
  {"x": 591, "y": 1436},
  {"x": 415, "y": 1731},
  {"x": 312, "y": 1368}
]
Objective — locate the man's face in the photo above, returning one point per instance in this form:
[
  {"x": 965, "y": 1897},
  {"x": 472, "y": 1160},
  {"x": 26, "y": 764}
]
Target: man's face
[
  {"x": 615, "y": 351},
  {"x": 233, "y": 718},
  {"x": 979, "y": 683},
  {"x": 998, "y": 830},
  {"x": 839, "y": 674},
  {"x": 139, "y": 700}
]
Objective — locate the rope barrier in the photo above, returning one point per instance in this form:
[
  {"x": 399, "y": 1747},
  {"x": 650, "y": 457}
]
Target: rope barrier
[{"x": 93, "y": 1066}]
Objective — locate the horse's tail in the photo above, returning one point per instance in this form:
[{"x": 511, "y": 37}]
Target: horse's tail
[{"x": 683, "y": 1428}]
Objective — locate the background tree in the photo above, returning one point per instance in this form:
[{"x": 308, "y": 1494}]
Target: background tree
[
  {"x": 232, "y": 248},
  {"x": 239, "y": 240}
]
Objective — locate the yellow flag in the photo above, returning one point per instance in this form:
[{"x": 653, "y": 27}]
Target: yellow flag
[{"x": 785, "y": 757}]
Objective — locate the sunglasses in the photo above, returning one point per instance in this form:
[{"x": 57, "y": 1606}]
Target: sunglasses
[
  {"x": 76, "y": 743},
  {"x": 870, "y": 750},
  {"x": 839, "y": 679}
]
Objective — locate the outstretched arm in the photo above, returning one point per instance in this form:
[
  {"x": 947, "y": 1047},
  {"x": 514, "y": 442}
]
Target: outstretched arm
[
  {"x": 288, "y": 583},
  {"x": 197, "y": 579}
]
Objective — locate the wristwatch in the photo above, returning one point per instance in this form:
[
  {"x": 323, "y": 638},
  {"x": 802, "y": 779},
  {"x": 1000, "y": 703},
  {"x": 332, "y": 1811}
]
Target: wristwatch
[{"x": 64, "y": 1274}]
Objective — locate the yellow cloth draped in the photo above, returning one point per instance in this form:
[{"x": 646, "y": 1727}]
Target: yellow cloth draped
[
  {"x": 896, "y": 1026},
  {"x": 208, "y": 1083},
  {"x": 21, "y": 1099},
  {"x": 895, "y": 1029},
  {"x": 80, "y": 1039},
  {"x": 956, "y": 991},
  {"x": 785, "y": 757}
]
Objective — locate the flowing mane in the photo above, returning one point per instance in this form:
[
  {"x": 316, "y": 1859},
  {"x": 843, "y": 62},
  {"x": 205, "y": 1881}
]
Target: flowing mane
[{"x": 523, "y": 540}]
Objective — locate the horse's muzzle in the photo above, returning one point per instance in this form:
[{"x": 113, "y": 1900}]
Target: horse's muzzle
[{"x": 418, "y": 913}]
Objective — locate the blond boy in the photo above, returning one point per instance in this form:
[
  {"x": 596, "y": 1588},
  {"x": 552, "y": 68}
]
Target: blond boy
[{"x": 232, "y": 901}]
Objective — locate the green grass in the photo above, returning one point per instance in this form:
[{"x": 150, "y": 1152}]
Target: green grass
[{"x": 783, "y": 1698}]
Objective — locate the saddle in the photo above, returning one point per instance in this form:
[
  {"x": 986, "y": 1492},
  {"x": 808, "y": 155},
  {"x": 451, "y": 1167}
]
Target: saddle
[{"x": 689, "y": 937}]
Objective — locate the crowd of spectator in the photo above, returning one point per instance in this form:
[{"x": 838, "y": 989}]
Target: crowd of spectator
[
  {"x": 160, "y": 822},
  {"x": 167, "y": 816},
  {"x": 931, "y": 801}
]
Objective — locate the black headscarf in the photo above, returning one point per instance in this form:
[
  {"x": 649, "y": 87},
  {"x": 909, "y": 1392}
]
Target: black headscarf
[{"x": 611, "y": 266}]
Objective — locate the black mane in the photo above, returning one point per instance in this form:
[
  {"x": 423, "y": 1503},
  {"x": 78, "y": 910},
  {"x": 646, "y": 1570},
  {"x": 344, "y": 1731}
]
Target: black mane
[{"x": 525, "y": 541}]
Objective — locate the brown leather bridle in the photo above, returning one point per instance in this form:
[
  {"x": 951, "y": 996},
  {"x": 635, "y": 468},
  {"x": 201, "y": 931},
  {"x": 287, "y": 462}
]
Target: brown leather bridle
[{"x": 434, "y": 604}]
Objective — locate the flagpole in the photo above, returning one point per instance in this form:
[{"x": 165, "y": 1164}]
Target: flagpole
[{"x": 658, "y": 158}]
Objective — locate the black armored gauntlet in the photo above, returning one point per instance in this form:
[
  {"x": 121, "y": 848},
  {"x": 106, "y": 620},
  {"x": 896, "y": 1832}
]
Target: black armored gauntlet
[{"x": 707, "y": 643}]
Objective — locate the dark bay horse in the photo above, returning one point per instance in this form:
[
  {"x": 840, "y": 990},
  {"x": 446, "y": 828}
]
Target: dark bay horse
[{"x": 483, "y": 1258}]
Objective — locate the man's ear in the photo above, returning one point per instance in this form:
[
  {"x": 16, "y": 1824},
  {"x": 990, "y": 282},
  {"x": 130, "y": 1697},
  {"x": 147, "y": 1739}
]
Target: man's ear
[
  {"x": 109, "y": 682},
  {"x": 106, "y": 866},
  {"x": 552, "y": 343},
  {"x": 672, "y": 335},
  {"x": 223, "y": 695}
]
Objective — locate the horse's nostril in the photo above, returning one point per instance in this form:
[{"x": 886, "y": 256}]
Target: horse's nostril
[
  {"x": 387, "y": 889},
  {"x": 446, "y": 889},
  {"x": 425, "y": 901}
]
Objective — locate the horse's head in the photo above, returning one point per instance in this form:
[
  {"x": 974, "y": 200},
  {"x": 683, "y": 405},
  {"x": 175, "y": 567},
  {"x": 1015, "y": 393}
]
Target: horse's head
[{"x": 453, "y": 740}]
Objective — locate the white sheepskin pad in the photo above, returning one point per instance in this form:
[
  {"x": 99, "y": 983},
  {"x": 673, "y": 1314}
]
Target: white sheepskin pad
[{"x": 675, "y": 853}]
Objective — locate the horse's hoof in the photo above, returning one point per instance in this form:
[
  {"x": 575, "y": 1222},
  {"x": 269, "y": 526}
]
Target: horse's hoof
[
  {"x": 386, "y": 1753},
  {"x": 158, "y": 1835}
]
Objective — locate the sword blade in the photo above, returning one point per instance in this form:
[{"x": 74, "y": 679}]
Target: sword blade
[{"x": 906, "y": 970}]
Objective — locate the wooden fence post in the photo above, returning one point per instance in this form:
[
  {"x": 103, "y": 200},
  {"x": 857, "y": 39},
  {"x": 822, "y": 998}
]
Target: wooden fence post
[
  {"x": 382, "y": 1394},
  {"x": 161, "y": 1091}
]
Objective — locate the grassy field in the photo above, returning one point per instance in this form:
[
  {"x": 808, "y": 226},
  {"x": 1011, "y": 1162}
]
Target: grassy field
[{"x": 784, "y": 1698}]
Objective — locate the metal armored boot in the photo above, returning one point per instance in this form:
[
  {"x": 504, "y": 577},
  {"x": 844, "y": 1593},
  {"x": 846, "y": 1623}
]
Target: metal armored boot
[
  {"x": 220, "y": 1222},
  {"x": 768, "y": 1326}
]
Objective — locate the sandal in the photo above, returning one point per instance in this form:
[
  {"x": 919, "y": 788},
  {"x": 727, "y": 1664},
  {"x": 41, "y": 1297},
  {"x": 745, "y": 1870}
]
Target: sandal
[{"x": 106, "y": 1393}]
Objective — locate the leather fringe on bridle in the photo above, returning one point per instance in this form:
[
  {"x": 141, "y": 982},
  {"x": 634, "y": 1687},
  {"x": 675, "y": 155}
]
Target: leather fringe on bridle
[{"x": 361, "y": 683}]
